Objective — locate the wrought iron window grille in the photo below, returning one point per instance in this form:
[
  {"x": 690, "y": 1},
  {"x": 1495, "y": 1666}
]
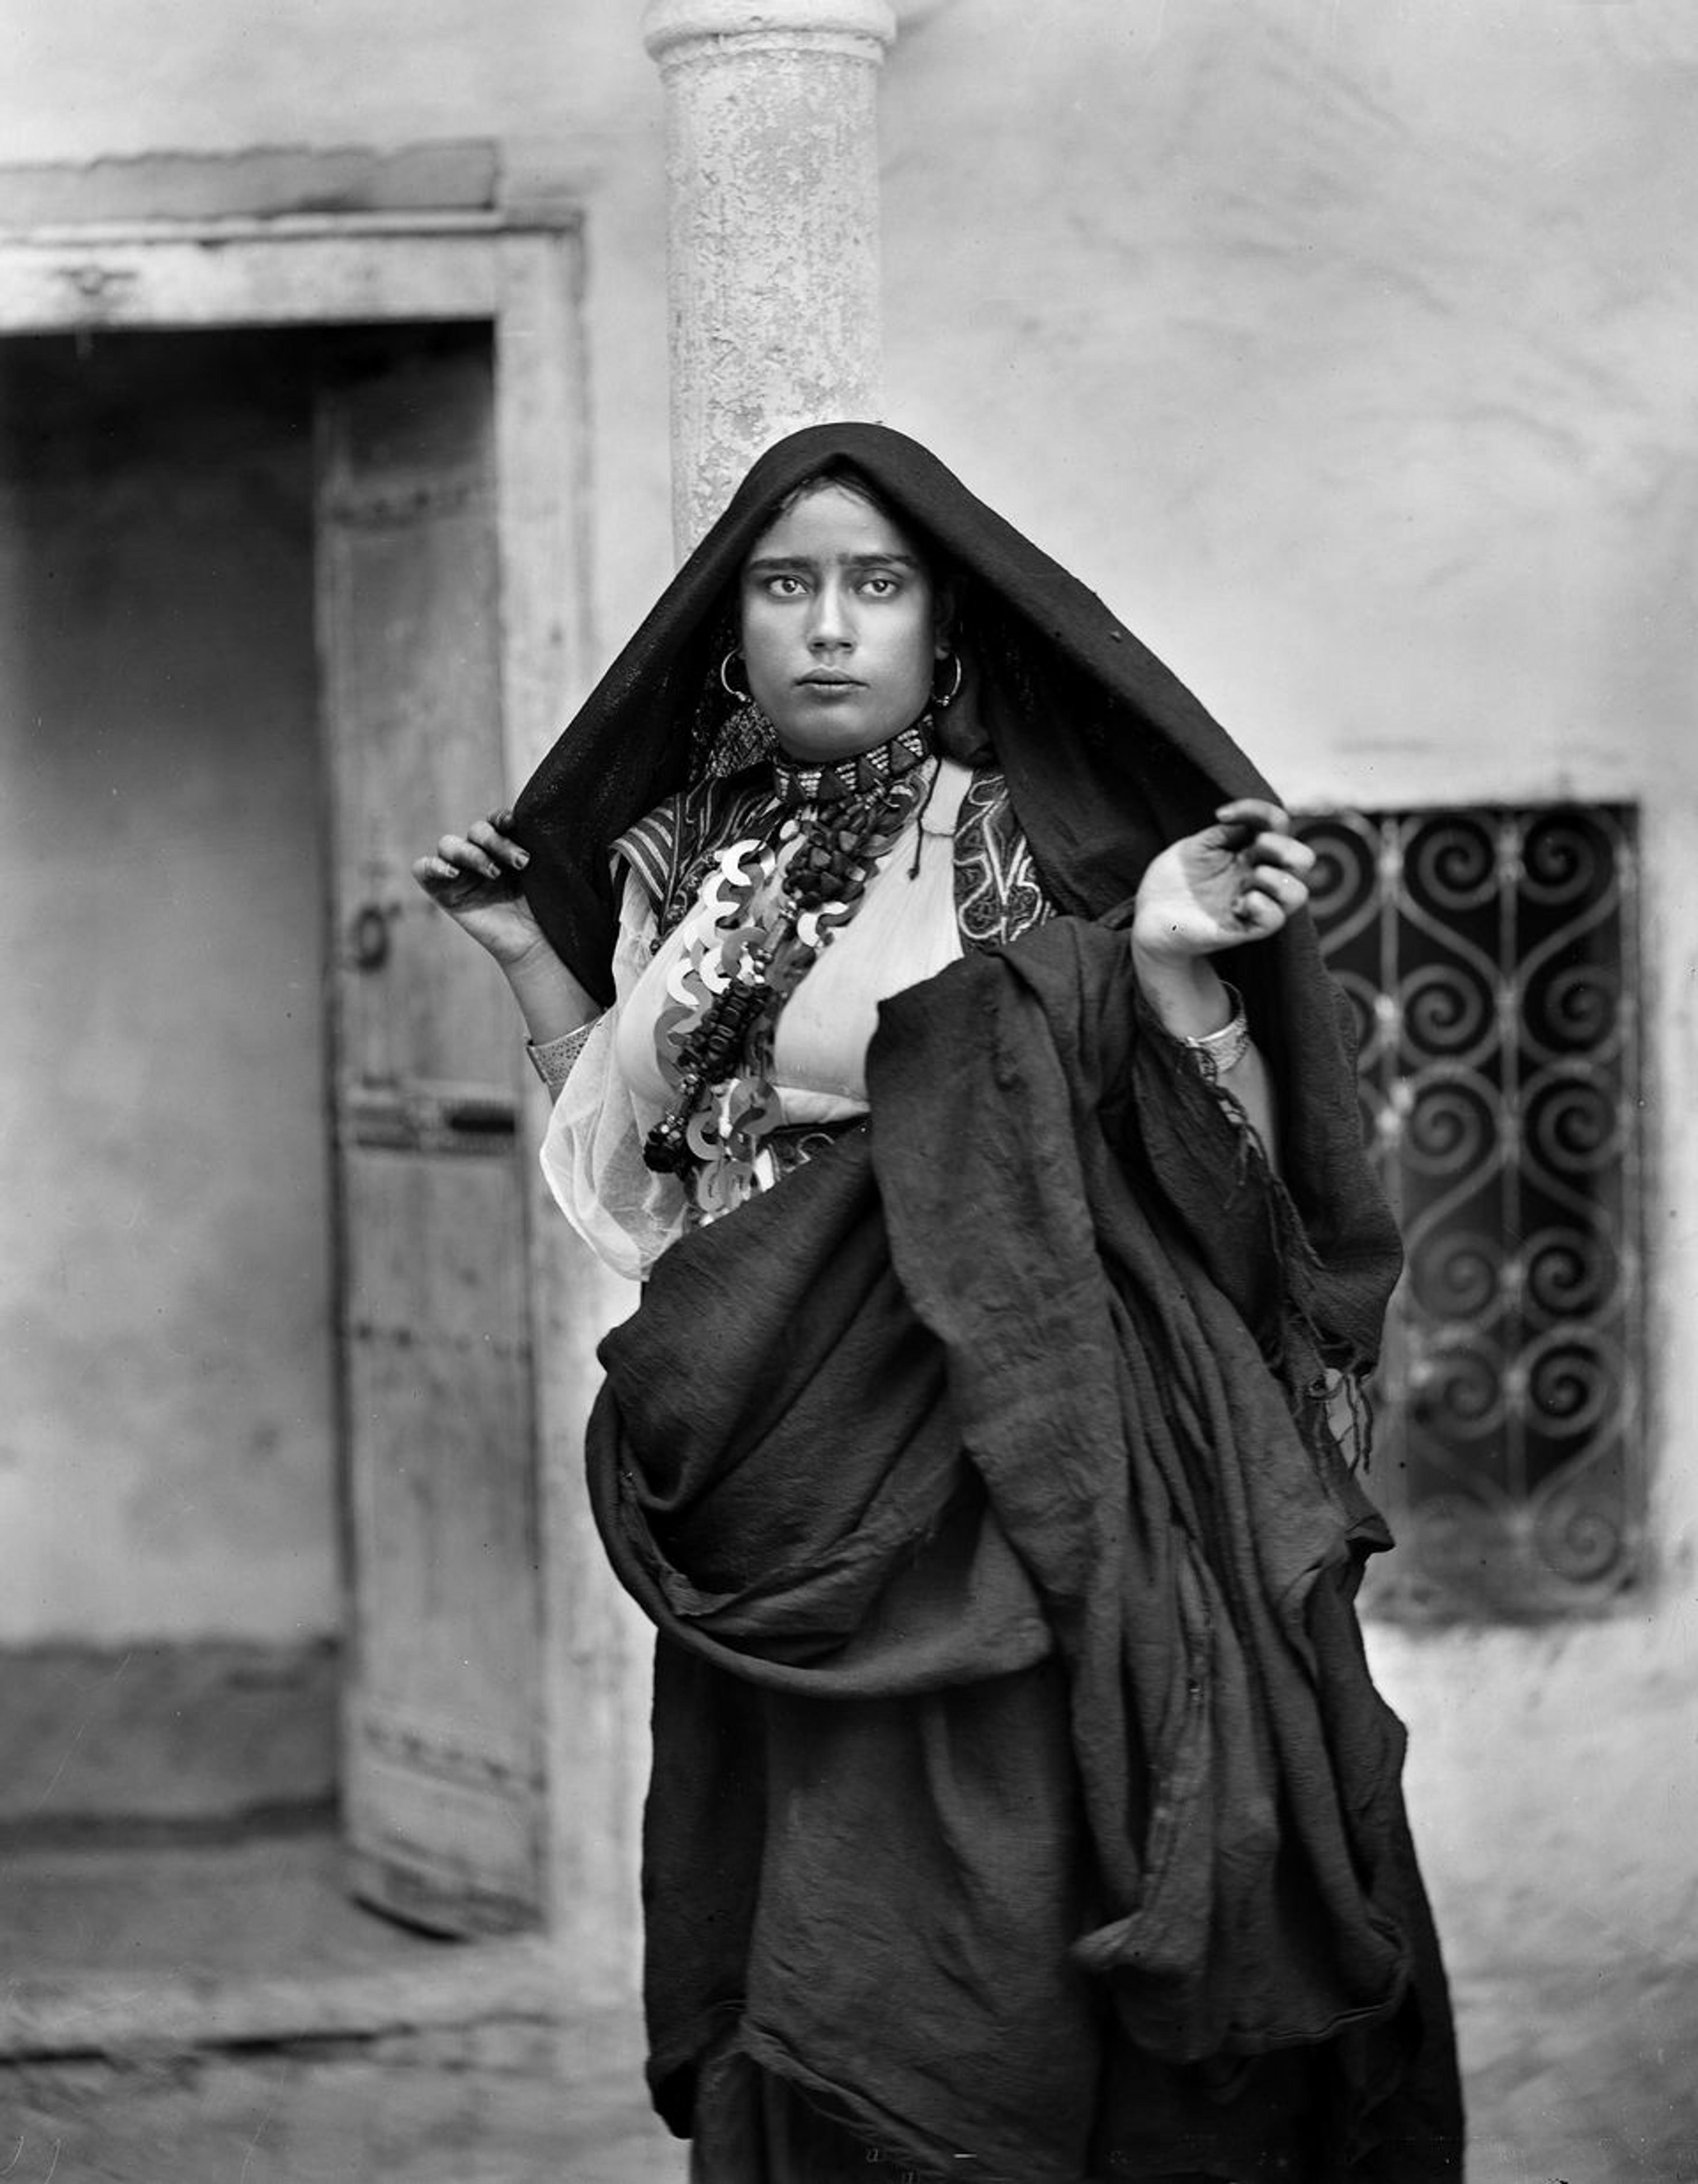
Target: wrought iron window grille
[{"x": 1490, "y": 956}]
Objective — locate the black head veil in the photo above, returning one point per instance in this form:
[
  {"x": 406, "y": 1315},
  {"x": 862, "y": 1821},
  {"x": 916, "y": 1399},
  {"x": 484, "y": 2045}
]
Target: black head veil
[{"x": 1107, "y": 755}]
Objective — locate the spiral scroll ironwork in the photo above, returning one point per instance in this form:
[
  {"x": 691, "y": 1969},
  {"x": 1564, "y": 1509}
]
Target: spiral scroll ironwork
[{"x": 1488, "y": 956}]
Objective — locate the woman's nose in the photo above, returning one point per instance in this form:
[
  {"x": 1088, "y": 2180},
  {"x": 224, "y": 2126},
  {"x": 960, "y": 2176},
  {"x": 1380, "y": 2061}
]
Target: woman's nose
[{"x": 831, "y": 624}]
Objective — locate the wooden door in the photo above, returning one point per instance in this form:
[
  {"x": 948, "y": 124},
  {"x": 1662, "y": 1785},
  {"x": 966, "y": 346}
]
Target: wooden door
[{"x": 442, "y": 1745}]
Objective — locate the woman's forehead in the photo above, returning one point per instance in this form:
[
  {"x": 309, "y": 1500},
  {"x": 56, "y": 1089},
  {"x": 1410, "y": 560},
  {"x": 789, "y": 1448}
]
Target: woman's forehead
[{"x": 830, "y": 522}]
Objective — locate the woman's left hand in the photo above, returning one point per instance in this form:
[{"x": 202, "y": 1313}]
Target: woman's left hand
[{"x": 1237, "y": 880}]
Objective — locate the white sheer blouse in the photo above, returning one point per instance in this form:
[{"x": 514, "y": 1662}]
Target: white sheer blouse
[{"x": 904, "y": 931}]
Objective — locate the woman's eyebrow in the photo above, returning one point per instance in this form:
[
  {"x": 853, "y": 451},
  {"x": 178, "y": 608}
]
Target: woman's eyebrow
[{"x": 769, "y": 565}]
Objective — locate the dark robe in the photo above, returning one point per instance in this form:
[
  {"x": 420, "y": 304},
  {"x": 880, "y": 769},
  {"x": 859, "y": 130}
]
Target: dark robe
[{"x": 1021, "y": 1792}]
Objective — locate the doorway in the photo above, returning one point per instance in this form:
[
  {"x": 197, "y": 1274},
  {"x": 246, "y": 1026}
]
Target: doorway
[
  {"x": 175, "y": 1617},
  {"x": 191, "y": 1463}
]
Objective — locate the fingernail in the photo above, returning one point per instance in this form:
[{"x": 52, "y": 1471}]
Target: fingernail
[{"x": 521, "y": 857}]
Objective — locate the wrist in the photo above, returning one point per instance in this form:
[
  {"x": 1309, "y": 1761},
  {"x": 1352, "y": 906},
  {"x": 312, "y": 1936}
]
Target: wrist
[
  {"x": 526, "y": 958},
  {"x": 1185, "y": 991},
  {"x": 551, "y": 1000}
]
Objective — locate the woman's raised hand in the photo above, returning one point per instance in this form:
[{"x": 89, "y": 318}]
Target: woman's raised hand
[
  {"x": 1236, "y": 881},
  {"x": 475, "y": 878}
]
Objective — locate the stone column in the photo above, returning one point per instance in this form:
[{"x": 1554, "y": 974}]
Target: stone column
[{"x": 773, "y": 249}]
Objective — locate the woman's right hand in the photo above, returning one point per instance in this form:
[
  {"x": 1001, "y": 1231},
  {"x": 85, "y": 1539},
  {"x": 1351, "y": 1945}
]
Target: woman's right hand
[{"x": 475, "y": 878}]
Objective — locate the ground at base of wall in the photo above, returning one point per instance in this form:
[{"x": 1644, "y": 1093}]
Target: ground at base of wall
[
  {"x": 207, "y": 2013},
  {"x": 368, "y": 2114},
  {"x": 1574, "y": 2078},
  {"x": 1582, "y": 2076},
  {"x": 189, "y": 1996}
]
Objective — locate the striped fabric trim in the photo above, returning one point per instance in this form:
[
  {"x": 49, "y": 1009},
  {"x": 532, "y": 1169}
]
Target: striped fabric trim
[{"x": 671, "y": 849}]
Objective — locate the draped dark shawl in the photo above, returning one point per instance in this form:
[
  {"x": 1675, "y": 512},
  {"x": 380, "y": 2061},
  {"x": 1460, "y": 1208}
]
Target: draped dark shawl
[{"x": 1020, "y": 1792}]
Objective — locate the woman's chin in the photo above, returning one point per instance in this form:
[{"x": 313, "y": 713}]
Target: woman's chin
[{"x": 824, "y": 736}]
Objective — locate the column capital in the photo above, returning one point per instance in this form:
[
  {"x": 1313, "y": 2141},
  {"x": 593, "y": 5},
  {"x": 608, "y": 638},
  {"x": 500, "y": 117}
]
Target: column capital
[{"x": 670, "y": 27}]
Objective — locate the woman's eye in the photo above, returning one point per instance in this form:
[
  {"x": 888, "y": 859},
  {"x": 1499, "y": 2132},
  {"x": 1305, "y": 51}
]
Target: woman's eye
[
  {"x": 880, "y": 587},
  {"x": 784, "y": 588}
]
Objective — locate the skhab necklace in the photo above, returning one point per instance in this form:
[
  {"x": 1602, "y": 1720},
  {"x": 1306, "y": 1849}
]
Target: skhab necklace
[{"x": 741, "y": 964}]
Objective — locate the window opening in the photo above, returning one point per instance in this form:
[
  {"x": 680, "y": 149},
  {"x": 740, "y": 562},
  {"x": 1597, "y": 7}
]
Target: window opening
[{"x": 1490, "y": 957}]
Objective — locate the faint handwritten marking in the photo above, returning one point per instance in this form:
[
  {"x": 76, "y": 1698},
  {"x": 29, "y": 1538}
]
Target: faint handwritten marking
[
  {"x": 14, "y": 2161},
  {"x": 58, "y": 2146}
]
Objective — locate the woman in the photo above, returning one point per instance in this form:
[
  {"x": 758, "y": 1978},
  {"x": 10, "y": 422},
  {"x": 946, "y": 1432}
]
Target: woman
[{"x": 1022, "y": 1809}]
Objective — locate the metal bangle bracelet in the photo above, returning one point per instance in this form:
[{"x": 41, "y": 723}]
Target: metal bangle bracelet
[{"x": 1218, "y": 1051}]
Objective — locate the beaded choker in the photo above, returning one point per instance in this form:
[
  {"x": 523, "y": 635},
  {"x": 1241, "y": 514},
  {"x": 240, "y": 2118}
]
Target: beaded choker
[{"x": 861, "y": 774}]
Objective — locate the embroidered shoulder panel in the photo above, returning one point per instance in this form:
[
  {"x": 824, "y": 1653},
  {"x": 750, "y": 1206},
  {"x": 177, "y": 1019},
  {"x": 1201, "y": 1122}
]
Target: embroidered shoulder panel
[
  {"x": 671, "y": 849},
  {"x": 998, "y": 895}
]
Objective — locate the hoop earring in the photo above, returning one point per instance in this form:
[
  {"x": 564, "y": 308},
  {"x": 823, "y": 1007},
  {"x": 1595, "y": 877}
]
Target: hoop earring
[
  {"x": 943, "y": 699},
  {"x": 744, "y": 735}
]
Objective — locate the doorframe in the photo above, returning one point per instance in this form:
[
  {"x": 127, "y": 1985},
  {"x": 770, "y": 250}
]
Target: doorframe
[{"x": 524, "y": 277}]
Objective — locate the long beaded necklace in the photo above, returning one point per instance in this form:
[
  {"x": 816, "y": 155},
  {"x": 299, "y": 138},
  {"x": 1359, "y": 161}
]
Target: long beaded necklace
[{"x": 748, "y": 946}]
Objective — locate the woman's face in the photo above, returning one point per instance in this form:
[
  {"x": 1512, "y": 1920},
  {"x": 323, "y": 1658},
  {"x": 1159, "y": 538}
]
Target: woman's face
[{"x": 839, "y": 623}]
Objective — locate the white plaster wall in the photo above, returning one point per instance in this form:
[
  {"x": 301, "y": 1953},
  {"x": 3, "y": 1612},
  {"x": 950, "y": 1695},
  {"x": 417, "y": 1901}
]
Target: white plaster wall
[{"x": 1343, "y": 346}]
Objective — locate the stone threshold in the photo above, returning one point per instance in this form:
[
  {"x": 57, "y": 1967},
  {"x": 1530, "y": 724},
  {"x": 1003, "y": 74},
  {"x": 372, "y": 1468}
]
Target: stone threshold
[{"x": 479, "y": 1991}]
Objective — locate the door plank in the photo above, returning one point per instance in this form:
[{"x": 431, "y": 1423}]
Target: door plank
[{"x": 443, "y": 1765}]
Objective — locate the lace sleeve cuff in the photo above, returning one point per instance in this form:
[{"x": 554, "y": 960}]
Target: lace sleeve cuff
[{"x": 553, "y": 1060}]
